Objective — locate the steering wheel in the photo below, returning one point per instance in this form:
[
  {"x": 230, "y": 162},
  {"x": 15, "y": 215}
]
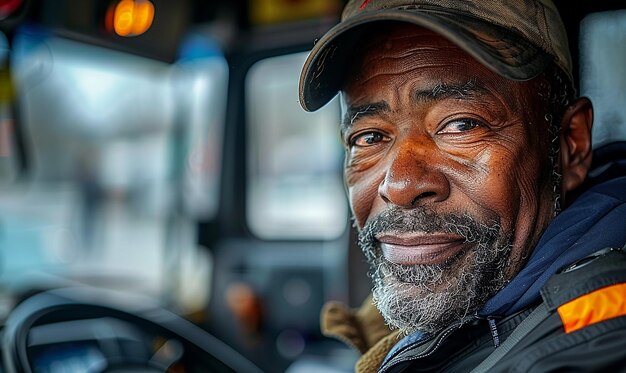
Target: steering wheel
[{"x": 125, "y": 318}]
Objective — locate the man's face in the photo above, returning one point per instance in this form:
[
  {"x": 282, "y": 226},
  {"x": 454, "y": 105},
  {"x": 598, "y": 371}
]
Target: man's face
[{"x": 448, "y": 176}]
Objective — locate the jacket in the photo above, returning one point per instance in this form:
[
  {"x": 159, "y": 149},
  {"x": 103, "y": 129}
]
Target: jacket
[{"x": 582, "y": 291}]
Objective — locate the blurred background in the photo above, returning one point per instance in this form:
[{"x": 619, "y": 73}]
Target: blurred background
[{"x": 157, "y": 148}]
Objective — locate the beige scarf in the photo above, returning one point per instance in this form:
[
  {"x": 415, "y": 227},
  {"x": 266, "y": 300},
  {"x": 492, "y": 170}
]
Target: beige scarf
[{"x": 363, "y": 329}]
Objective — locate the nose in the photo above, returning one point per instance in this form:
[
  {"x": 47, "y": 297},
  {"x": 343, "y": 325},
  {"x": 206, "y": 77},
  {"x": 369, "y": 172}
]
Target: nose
[{"x": 414, "y": 178}]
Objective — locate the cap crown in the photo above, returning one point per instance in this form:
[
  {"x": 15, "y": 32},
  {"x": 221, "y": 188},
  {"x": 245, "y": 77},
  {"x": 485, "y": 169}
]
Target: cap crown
[
  {"x": 518, "y": 39},
  {"x": 538, "y": 21}
]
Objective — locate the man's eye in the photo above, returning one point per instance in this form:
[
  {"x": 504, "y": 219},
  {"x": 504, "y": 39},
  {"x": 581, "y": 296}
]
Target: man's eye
[
  {"x": 460, "y": 125},
  {"x": 367, "y": 139}
]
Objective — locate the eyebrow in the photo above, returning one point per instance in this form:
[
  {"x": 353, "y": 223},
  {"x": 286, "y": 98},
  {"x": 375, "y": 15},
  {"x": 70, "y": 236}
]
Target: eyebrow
[
  {"x": 441, "y": 91},
  {"x": 358, "y": 111}
]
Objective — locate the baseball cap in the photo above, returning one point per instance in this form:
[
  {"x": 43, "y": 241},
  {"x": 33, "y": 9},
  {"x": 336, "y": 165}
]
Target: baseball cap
[{"x": 517, "y": 39}]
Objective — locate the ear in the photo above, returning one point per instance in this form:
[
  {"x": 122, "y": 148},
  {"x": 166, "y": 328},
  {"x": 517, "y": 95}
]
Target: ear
[{"x": 576, "y": 144}]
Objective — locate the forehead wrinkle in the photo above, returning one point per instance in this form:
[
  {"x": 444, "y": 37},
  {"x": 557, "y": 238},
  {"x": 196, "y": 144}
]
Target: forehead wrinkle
[
  {"x": 424, "y": 57},
  {"x": 442, "y": 91},
  {"x": 404, "y": 63}
]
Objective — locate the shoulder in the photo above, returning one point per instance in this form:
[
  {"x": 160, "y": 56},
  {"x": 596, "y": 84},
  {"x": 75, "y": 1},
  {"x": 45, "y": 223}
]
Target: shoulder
[
  {"x": 585, "y": 329},
  {"x": 589, "y": 291}
]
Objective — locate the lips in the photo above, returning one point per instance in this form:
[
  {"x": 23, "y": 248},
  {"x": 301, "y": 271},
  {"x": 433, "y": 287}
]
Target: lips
[{"x": 416, "y": 249}]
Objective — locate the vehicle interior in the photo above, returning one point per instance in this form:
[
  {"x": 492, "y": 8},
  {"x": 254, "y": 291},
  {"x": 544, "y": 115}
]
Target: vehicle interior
[{"x": 165, "y": 203}]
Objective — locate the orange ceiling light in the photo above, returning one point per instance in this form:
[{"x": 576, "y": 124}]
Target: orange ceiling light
[
  {"x": 130, "y": 17},
  {"x": 7, "y": 7}
]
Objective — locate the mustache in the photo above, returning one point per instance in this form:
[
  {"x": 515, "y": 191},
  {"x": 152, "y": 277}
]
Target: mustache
[{"x": 424, "y": 220}]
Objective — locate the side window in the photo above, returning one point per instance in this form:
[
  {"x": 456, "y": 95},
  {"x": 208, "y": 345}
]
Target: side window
[
  {"x": 603, "y": 77},
  {"x": 295, "y": 188}
]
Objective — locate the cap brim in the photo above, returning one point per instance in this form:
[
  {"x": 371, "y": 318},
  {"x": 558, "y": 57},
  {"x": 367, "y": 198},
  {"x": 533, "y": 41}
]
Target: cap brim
[{"x": 496, "y": 47}]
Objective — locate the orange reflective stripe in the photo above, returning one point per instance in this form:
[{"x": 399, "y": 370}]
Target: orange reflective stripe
[{"x": 602, "y": 304}]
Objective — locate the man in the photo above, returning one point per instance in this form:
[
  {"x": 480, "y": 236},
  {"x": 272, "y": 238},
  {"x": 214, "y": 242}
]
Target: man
[{"x": 467, "y": 162}]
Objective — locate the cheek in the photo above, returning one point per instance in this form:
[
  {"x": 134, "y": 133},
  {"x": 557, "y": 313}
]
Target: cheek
[
  {"x": 362, "y": 193},
  {"x": 511, "y": 186},
  {"x": 488, "y": 187},
  {"x": 488, "y": 180}
]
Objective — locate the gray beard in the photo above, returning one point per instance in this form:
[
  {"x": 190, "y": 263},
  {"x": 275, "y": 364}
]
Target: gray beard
[{"x": 427, "y": 298}]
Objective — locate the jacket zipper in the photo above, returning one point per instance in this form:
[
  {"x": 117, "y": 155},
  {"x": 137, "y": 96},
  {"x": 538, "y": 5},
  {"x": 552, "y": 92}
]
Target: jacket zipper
[
  {"x": 494, "y": 332},
  {"x": 442, "y": 337}
]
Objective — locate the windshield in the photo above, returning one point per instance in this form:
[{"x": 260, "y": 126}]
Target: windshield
[{"x": 124, "y": 154}]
